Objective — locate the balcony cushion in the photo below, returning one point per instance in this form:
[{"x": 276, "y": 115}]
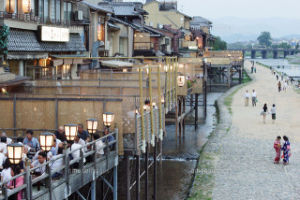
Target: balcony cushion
[{"x": 27, "y": 41}]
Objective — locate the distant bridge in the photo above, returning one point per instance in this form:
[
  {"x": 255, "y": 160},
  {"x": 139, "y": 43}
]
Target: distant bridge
[{"x": 265, "y": 51}]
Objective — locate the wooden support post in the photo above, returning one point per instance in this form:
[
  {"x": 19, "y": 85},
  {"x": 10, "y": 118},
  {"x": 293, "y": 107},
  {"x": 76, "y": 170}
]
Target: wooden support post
[
  {"x": 146, "y": 171},
  {"x": 56, "y": 113},
  {"x": 196, "y": 110},
  {"x": 183, "y": 120},
  {"x": 179, "y": 114},
  {"x": 137, "y": 177},
  {"x": 155, "y": 171},
  {"x": 15, "y": 115},
  {"x": 127, "y": 174},
  {"x": 176, "y": 120}
]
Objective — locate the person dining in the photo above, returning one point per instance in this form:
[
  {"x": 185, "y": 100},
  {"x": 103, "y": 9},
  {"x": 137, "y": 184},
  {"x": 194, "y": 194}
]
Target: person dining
[
  {"x": 83, "y": 134},
  {"x": 40, "y": 164},
  {"x": 31, "y": 141},
  {"x": 60, "y": 134}
]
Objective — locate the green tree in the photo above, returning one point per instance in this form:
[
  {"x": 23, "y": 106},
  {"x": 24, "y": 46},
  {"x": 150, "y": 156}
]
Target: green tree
[
  {"x": 4, "y": 31},
  {"x": 284, "y": 45},
  {"x": 265, "y": 39},
  {"x": 297, "y": 46},
  {"x": 219, "y": 44}
]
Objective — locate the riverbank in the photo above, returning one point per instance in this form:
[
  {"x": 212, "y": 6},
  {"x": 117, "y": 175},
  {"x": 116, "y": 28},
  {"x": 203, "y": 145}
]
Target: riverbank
[
  {"x": 238, "y": 160},
  {"x": 204, "y": 174}
]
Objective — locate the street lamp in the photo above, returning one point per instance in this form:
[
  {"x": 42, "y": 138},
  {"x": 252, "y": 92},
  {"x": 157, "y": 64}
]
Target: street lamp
[
  {"x": 15, "y": 153},
  {"x": 180, "y": 81},
  {"x": 92, "y": 125},
  {"x": 46, "y": 141},
  {"x": 71, "y": 131},
  {"x": 108, "y": 118}
]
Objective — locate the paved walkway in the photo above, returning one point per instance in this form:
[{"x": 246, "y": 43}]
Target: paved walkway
[{"x": 245, "y": 168}]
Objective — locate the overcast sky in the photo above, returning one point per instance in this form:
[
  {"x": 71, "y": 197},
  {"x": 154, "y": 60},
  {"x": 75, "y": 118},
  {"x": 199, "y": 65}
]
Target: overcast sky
[{"x": 241, "y": 8}]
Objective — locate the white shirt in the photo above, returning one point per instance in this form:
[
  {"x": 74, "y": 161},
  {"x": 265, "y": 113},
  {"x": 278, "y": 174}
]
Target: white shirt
[
  {"x": 273, "y": 110},
  {"x": 3, "y": 147},
  {"x": 41, "y": 169},
  {"x": 2, "y": 159},
  {"x": 6, "y": 175},
  {"x": 99, "y": 146},
  {"x": 8, "y": 140},
  {"x": 54, "y": 164},
  {"x": 253, "y": 94},
  {"x": 35, "y": 157},
  {"x": 76, "y": 154},
  {"x": 247, "y": 95}
]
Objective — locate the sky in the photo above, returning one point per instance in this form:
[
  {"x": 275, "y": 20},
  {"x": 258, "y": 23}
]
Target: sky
[
  {"x": 247, "y": 18},
  {"x": 250, "y": 9}
]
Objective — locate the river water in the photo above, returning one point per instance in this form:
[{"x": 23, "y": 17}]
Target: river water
[
  {"x": 282, "y": 65},
  {"x": 180, "y": 157}
]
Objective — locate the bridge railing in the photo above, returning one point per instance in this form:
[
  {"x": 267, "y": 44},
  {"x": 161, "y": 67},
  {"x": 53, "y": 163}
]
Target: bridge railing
[{"x": 32, "y": 192}]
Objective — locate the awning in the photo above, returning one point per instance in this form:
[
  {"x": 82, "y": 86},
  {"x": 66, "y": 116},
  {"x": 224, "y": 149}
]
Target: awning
[
  {"x": 26, "y": 55},
  {"x": 67, "y": 59},
  {"x": 116, "y": 63},
  {"x": 27, "y": 41}
]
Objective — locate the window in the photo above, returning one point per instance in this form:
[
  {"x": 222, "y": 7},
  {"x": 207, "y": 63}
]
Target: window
[
  {"x": 67, "y": 12},
  {"x": 57, "y": 11},
  {"x": 101, "y": 30}
]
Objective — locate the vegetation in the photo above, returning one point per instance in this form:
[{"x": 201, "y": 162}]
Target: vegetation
[
  {"x": 4, "y": 31},
  {"x": 265, "y": 39},
  {"x": 283, "y": 45},
  {"x": 219, "y": 44}
]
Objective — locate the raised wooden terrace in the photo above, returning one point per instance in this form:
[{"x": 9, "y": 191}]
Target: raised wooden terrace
[{"x": 47, "y": 188}]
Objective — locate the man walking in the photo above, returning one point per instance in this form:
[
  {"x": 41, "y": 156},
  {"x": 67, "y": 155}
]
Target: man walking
[{"x": 254, "y": 98}]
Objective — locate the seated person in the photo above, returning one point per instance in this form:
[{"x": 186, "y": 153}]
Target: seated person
[
  {"x": 8, "y": 140},
  {"x": 60, "y": 134},
  {"x": 74, "y": 148},
  {"x": 56, "y": 163},
  {"x": 3, "y": 145},
  {"x": 39, "y": 163},
  {"x": 99, "y": 145},
  {"x": 83, "y": 134},
  {"x": 31, "y": 142}
]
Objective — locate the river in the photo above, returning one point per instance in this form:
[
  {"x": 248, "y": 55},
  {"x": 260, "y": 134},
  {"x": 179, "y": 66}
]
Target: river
[
  {"x": 282, "y": 65},
  {"x": 176, "y": 171}
]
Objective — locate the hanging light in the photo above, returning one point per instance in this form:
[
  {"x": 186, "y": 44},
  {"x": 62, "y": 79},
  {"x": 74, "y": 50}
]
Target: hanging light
[
  {"x": 181, "y": 80},
  {"x": 153, "y": 104},
  {"x": 26, "y": 4},
  {"x": 108, "y": 119},
  {"x": 10, "y": 6},
  {"x": 166, "y": 68},
  {"x": 15, "y": 153},
  {"x": 92, "y": 125},
  {"x": 181, "y": 66},
  {"x": 46, "y": 141},
  {"x": 71, "y": 131}
]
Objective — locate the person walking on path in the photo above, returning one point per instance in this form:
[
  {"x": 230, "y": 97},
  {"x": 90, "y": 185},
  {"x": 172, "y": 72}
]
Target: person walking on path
[
  {"x": 279, "y": 86},
  {"x": 277, "y": 77},
  {"x": 286, "y": 148},
  {"x": 254, "y": 98},
  {"x": 273, "y": 113},
  {"x": 285, "y": 85},
  {"x": 264, "y": 113},
  {"x": 247, "y": 97},
  {"x": 277, "y": 147}
]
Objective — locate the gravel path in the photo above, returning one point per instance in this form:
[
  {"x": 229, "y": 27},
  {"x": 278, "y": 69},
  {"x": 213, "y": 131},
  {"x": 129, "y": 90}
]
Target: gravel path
[{"x": 245, "y": 168}]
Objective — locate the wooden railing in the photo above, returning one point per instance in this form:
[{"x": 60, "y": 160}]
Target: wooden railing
[{"x": 72, "y": 180}]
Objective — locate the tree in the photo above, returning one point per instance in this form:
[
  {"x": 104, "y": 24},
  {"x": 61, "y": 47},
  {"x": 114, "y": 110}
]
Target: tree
[
  {"x": 4, "y": 31},
  {"x": 219, "y": 44},
  {"x": 284, "y": 45},
  {"x": 297, "y": 46},
  {"x": 265, "y": 39}
]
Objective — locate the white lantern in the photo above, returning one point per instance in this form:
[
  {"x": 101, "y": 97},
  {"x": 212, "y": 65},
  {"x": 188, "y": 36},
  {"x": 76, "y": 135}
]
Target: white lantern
[
  {"x": 108, "y": 119},
  {"x": 46, "y": 141},
  {"x": 162, "y": 99},
  {"x": 166, "y": 68},
  {"x": 180, "y": 81},
  {"x": 15, "y": 153},
  {"x": 26, "y": 4},
  {"x": 71, "y": 131},
  {"x": 10, "y": 6},
  {"x": 92, "y": 125}
]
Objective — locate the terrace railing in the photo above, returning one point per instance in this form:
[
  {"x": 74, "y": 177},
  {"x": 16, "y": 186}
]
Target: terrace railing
[{"x": 72, "y": 180}]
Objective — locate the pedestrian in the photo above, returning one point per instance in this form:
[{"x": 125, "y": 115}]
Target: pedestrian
[
  {"x": 279, "y": 86},
  {"x": 277, "y": 77},
  {"x": 255, "y": 70},
  {"x": 247, "y": 97},
  {"x": 277, "y": 147},
  {"x": 286, "y": 148},
  {"x": 264, "y": 112},
  {"x": 285, "y": 85},
  {"x": 254, "y": 98},
  {"x": 273, "y": 113}
]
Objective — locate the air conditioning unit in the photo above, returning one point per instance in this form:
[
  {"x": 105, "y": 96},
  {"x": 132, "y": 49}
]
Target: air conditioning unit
[{"x": 78, "y": 15}]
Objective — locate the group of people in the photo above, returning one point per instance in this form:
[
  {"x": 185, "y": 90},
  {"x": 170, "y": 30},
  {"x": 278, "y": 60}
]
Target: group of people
[
  {"x": 285, "y": 148},
  {"x": 253, "y": 98},
  {"x": 37, "y": 157}
]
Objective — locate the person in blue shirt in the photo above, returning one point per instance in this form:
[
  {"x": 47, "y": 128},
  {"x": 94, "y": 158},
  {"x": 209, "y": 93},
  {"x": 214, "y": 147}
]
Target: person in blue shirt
[
  {"x": 31, "y": 141},
  {"x": 83, "y": 134}
]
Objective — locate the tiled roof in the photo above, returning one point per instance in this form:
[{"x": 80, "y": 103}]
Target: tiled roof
[
  {"x": 23, "y": 40},
  {"x": 124, "y": 8},
  {"x": 200, "y": 21},
  {"x": 97, "y": 7}
]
